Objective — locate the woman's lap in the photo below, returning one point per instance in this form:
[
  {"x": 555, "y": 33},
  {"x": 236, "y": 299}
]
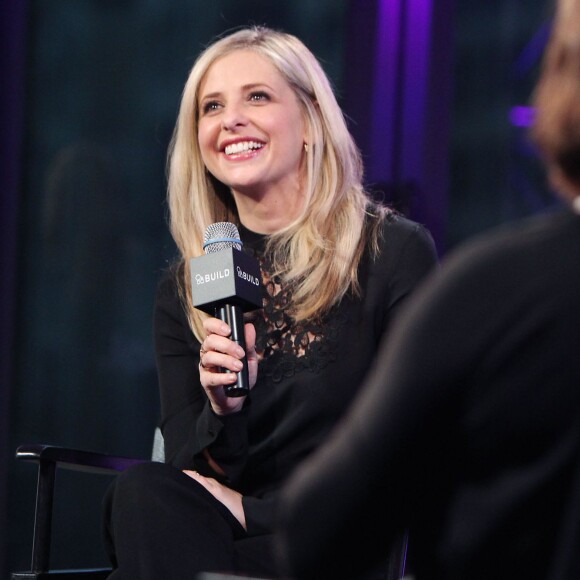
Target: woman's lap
[{"x": 159, "y": 522}]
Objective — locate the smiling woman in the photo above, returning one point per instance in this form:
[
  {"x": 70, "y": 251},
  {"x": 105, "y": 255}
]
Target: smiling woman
[{"x": 260, "y": 142}]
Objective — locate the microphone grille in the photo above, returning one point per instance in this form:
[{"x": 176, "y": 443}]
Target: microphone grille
[{"x": 221, "y": 236}]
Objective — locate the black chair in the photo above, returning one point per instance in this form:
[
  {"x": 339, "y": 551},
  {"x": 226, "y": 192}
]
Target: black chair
[{"x": 49, "y": 458}]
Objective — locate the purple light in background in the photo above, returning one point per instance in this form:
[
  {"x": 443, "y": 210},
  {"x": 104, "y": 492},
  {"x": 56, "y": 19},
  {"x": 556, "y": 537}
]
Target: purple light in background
[
  {"x": 532, "y": 52},
  {"x": 417, "y": 51},
  {"x": 382, "y": 166},
  {"x": 521, "y": 116},
  {"x": 402, "y": 62}
]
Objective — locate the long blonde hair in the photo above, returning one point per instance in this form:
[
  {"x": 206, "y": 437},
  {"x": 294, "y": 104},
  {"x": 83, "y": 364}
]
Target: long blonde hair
[{"x": 319, "y": 253}]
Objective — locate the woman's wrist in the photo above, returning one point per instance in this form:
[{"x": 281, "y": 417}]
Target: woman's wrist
[{"x": 229, "y": 410}]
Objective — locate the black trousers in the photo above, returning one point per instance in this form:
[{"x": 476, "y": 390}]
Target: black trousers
[{"x": 160, "y": 524}]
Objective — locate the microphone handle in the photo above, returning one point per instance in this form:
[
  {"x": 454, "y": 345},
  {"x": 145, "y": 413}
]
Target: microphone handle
[{"x": 233, "y": 316}]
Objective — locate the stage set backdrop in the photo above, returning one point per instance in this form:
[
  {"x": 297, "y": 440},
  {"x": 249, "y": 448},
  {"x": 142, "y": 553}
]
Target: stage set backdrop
[{"x": 436, "y": 94}]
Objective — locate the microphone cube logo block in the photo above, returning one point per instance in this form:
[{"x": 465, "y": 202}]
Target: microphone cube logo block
[{"x": 229, "y": 276}]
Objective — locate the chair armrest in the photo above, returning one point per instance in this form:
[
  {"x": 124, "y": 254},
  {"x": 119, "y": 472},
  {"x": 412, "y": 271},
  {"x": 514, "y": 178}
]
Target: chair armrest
[
  {"x": 76, "y": 459},
  {"x": 49, "y": 458}
]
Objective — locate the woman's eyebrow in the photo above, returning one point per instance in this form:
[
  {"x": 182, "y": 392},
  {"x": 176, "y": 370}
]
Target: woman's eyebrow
[
  {"x": 246, "y": 87},
  {"x": 210, "y": 96}
]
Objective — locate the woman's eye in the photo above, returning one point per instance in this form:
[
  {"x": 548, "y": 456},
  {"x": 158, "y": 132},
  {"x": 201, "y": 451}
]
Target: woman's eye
[
  {"x": 259, "y": 96},
  {"x": 210, "y": 106}
]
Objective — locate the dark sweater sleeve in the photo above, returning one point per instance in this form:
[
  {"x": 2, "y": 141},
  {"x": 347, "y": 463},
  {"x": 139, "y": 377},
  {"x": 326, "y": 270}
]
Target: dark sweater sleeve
[
  {"x": 259, "y": 512},
  {"x": 187, "y": 421}
]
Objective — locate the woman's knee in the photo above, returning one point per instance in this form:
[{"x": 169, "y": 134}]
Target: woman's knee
[{"x": 140, "y": 484}]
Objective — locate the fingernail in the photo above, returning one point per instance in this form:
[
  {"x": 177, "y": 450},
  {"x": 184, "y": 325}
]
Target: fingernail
[
  {"x": 239, "y": 365},
  {"x": 240, "y": 351}
]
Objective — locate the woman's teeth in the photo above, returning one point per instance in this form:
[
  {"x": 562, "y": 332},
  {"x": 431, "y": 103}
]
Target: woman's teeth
[{"x": 242, "y": 147}]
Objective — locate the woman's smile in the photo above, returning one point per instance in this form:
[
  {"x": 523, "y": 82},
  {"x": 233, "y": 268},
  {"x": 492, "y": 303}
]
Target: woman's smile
[{"x": 242, "y": 149}]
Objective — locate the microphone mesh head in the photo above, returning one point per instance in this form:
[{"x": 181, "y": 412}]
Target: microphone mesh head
[{"x": 221, "y": 236}]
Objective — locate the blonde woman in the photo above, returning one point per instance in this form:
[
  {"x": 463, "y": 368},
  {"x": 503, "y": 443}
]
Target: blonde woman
[
  {"x": 476, "y": 450},
  {"x": 260, "y": 142}
]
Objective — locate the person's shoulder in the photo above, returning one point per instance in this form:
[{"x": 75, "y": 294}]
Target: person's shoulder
[
  {"x": 394, "y": 224},
  {"x": 514, "y": 237},
  {"x": 397, "y": 232},
  {"x": 540, "y": 239},
  {"x": 398, "y": 247}
]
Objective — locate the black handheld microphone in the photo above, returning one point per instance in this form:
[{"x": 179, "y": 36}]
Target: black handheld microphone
[{"x": 225, "y": 283}]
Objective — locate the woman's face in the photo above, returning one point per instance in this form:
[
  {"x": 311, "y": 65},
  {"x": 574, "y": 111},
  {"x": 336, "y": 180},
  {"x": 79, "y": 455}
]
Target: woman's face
[{"x": 251, "y": 130}]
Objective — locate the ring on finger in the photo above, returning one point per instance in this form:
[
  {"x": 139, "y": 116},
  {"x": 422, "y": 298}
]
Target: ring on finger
[{"x": 202, "y": 351}]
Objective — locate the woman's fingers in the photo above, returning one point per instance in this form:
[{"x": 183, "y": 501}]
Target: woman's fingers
[
  {"x": 223, "y": 355},
  {"x": 211, "y": 378},
  {"x": 219, "y": 353},
  {"x": 251, "y": 354},
  {"x": 216, "y": 326},
  {"x": 217, "y": 350}
]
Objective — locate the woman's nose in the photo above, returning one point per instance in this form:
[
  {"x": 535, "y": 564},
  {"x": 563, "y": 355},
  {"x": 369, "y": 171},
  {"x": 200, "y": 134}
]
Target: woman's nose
[{"x": 233, "y": 116}]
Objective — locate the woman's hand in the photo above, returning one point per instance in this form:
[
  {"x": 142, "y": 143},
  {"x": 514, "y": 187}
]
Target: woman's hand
[
  {"x": 218, "y": 351},
  {"x": 229, "y": 497}
]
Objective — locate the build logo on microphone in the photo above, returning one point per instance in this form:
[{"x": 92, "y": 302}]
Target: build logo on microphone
[
  {"x": 248, "y": 277},
  {"x": 211, "y": 277},
  {"x": 229, "y": 276}
]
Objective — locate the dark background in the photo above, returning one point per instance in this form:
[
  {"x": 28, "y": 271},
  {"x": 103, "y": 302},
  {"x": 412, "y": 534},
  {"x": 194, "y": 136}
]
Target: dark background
[{"x": 90, "y": 91}]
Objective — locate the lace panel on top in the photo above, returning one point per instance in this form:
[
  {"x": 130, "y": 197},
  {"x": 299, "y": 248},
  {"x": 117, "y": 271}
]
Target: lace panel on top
[{"x": 284, "y": 346}]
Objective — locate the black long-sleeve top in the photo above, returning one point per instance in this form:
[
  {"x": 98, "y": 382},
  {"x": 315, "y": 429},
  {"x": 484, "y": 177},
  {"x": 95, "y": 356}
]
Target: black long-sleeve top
[
  {"x": 307, "y": 375},
  {"x": 467, "y": 431}
]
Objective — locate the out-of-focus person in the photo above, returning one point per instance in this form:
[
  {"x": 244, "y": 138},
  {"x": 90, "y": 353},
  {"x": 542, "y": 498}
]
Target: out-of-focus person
[{"x": 468, "y": 430}]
